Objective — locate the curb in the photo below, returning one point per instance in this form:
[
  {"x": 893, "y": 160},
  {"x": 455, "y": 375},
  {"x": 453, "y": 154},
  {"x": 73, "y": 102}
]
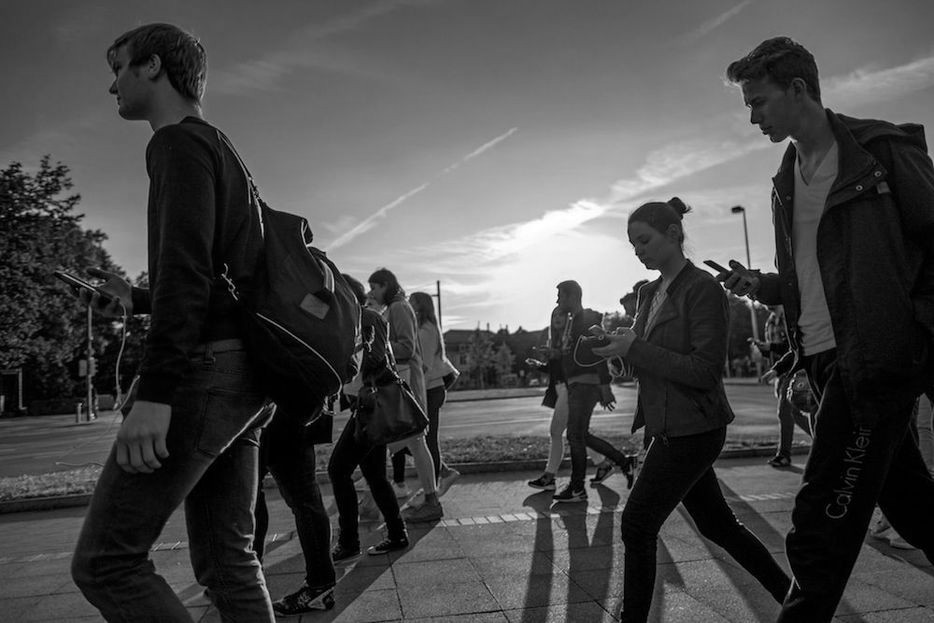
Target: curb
[{"x": 83, "y": 499}]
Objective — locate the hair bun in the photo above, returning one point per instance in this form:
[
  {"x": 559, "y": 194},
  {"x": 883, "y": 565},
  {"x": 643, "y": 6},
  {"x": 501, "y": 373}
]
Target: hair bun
[{"x": 679, "y": 206}]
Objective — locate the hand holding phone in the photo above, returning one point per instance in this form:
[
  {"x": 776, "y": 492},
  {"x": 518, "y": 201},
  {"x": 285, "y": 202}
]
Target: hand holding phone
[
  {"x": 597, "y": 335},
  {"x": 80, "y": 284}
]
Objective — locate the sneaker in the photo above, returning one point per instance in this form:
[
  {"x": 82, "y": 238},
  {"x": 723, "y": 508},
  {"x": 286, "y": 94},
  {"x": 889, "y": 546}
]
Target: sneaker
[
  {"x": 567, "y": 495},
  {"x": 630, "y": 469},
  {"x": 417, "y": 500},
  {"x": 341, "y": 553},
  {"x": 780, "y": 460},
  {"x": 604, "y": 471},
  {"x": 388, "y": 545},
  {"x": 425, "y": 512},
  {"x": 305, "y": 600},
  {"x": 448, "y": 477},
  {"x": 402, "y": 491},
  {"x": 545, "y": 482}
]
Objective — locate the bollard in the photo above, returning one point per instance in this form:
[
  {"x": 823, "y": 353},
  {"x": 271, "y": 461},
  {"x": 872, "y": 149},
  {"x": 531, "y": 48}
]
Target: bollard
[{"x": 79, "y": 408}]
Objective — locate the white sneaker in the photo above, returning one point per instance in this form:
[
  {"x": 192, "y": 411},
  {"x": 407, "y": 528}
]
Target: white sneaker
[
  {"x": 402, "y": 490},
  {"x": 447, "y": 478}
]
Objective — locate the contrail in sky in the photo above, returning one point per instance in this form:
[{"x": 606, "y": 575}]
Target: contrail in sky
[{"x": 370, "y": 221}]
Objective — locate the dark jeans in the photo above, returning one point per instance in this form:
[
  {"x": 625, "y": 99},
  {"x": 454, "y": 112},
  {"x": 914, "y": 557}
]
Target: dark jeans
[
  {"x": 213, "y": 444},
  {"x": 346, "y": 455},
  {"x": 582, "y": 398},
  {"x": 851, "y": 468},
  {"x": 435, "y": 400},
  {"x": 290, "y": 458},
  {"x": 681, "y": 470},
  {"x": 788, "y": 416}
]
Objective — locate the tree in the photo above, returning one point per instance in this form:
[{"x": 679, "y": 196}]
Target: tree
[
  {"x": 479, "y": 357},
  {"x": 503, "y": 361},
  {"x": 42, "y": 329}
]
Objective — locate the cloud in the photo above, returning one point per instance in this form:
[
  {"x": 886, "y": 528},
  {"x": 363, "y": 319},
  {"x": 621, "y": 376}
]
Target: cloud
[
  {"x": 868, "y": 85},
  {"x": 712, "y": 24},
  {"x": 369, "y": 222},
  {"x": 300, "y": 51},
  {"x": 503, "y": 268}
]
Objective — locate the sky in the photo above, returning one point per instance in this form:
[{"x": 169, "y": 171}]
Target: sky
[{"x": 494, "y": 146}]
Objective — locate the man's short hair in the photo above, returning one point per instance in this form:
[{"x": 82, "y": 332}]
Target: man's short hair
[
  {"x": 781, "y": 60},
  {"x": 571, "y": 288},
  {"x": 183, "y": 57}
]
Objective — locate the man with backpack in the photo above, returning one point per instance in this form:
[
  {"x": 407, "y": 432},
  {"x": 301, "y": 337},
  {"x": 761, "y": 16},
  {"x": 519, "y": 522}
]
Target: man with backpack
[
  {"x": 853, "y": 211},
  {"x": 192, "y": 434}
]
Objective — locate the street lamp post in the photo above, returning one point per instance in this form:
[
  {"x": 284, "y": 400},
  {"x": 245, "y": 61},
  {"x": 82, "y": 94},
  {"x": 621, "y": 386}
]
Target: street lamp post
[{"x": 752, "y": 307}]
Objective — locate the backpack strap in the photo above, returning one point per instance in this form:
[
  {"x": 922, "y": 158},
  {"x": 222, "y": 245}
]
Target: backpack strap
[{"x": 253, "y": 191}]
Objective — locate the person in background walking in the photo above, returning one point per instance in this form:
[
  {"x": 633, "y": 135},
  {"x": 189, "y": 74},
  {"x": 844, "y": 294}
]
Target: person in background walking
[
  {"x": 403, "y": 341},
  {"x": 348, "y": 452},
  {"x": 677, "y": 347},
  {"x": 588, "y": 385},
  {"x": 436, "y": 366},
  {"x": 774, "y": 349}
]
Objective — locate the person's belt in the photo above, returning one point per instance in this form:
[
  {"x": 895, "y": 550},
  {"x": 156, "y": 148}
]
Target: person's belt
[{"x": 219, "y": 346}]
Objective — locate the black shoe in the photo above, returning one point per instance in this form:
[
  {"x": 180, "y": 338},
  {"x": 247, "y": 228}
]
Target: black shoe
[
  {"x": 604, "y": 471},
  {"x": 628, "y": 467},
  {"x": 545, "y": 482},
  {"x": 305, "y": 600},
  {"x": 567, "y": 495},
  {"x": 388, "y": 545},
  {"x": 780, "y": 460},
  {"x": 341, "y": 553}
]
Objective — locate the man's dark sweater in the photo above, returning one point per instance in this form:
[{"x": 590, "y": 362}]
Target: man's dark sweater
[{"x": 199, "y": 217}]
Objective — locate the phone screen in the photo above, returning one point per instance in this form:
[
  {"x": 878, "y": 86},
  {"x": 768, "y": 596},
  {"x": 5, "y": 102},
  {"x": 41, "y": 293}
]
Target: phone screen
[{"x": 716, "y": 266}]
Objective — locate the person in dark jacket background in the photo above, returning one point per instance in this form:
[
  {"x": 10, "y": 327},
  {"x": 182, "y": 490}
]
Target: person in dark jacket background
[
  {"x": 677, "y": 347},
  {"x": 588, "y": 384},
  {"x": 853, "y": 211}
]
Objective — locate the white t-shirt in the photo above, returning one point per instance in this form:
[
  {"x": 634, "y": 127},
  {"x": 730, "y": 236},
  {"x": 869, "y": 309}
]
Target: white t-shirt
[{"x": 810, "y": 198}]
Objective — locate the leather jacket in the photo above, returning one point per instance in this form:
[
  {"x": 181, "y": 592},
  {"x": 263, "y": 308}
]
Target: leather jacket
[{"x": 680, "y": 361}]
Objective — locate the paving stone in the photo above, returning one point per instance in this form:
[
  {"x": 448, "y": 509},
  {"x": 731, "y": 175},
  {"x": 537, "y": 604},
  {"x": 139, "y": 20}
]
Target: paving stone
[
  {"x": 587, "y": 612},
  {"x": 530, "y": 591},
  {"x": 434, "y": 573},
  {"x": 458, "y": 598},
  {"x": 61, "y": 607}
]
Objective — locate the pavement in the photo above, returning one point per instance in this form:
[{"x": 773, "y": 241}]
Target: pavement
[{"x": 502, "y": 553}]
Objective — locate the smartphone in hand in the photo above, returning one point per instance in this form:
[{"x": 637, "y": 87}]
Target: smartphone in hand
[
  {"x": 718, "y": 267},
  {"x": 79, "y": 283}
]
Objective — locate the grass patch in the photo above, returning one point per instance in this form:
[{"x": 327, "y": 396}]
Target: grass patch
[
  {"x": 487, "y": 449},
  {"x": 69, "y": 482}
]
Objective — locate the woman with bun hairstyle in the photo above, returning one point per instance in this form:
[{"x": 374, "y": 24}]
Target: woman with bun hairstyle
[
  {"x": 403, "y": 341},
  {"x": 677, "y": 347}
]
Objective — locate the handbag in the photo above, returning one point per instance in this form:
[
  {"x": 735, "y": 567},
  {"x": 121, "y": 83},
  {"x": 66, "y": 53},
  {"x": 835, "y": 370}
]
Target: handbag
[{"x": 387, "y": 413}]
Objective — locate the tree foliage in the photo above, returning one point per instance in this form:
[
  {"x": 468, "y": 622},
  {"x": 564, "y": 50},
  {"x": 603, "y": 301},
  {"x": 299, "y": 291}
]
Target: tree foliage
[
  {"x": 42, "y": 328},
  {"x": 479, "y": 357}
]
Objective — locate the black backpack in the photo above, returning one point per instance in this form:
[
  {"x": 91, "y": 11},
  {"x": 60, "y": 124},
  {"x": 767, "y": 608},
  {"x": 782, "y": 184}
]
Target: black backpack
[{"x": 301, "y": 320}]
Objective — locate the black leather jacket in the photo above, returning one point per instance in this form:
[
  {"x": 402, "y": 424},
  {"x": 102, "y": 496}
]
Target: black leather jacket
[{"x": 680, "y": 361}]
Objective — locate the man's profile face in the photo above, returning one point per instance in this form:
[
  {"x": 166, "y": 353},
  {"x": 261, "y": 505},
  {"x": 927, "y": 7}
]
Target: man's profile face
[
  {"x": 129, "y": 86},
  {"x": 771, "y": 107}
]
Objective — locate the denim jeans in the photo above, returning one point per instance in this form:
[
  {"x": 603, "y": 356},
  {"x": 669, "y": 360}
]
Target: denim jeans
[
  {"x": 213, "y": 444},
  {"x": 346, "y": 455},
  {"x": 851, "y": 468},
  {"x": 582, "y": 398},
  {"x": 286, "y": 454},
  {"x": 681, "y": 470}
]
